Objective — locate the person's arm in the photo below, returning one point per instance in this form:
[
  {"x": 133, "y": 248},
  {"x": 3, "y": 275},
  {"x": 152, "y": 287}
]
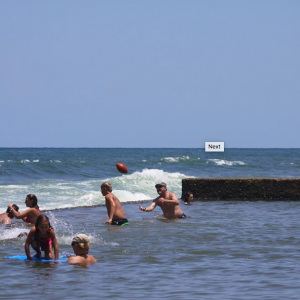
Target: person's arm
[
  {"x": 54, "y": 243},
  {"x": 19, "y": 215},
  {"x": 173, "y": 199},
  {"x": 111, "y": 207},
  {"x": 149, "y": 208},
  {"x": 28, "y": 242}
]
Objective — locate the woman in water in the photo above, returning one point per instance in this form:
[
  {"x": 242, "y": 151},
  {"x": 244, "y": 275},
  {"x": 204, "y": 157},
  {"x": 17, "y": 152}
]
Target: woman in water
[
  {"x": 30, "y": 215},
  {"x": 42, "y": 238},
  {"x": 188, "y": 197}
]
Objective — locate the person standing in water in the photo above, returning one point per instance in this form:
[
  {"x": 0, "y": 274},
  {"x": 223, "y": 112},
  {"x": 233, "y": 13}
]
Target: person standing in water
[
  {"x": 168, "y": 203},
  {"x": 30, "y": 215},
  {"x": 81, "y": 246},
  {"x": 116, "y": 214}
]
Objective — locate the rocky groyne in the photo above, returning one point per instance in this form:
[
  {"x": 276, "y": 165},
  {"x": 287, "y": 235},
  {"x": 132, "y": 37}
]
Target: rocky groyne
[{"x": 243, "y": 188}]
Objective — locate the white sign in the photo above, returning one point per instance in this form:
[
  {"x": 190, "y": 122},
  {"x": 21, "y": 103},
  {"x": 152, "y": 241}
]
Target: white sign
[{"x": 214, "y": 147}]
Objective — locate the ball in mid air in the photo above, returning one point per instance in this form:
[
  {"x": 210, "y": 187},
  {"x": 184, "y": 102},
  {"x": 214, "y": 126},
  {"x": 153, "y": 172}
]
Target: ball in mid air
[{"x": 121, "y": 168}]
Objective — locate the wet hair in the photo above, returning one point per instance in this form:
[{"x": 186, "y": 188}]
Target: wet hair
[
  {"x": 85, "y": 245},
  {"x": 186, "y": 196},
  {"x": 15, "y": 207},
  {"x": 107, "y": 185},
  {"x": 33, "y": 198},
  {"x": 40, "y": 219}
]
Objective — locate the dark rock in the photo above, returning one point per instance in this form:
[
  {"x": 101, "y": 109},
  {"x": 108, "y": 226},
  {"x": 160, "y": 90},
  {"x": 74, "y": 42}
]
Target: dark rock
[{"x": 242, "y": 188}]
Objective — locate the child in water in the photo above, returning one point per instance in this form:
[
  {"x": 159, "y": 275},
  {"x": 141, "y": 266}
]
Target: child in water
[
  {"x": 115, "y": 211},
  {"x": 81, "y": 245},
  {"x": 42, "y": 238}
]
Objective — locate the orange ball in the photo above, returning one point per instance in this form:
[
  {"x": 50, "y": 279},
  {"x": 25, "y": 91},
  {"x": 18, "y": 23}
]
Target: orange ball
[{"x": 121, "y": 168}]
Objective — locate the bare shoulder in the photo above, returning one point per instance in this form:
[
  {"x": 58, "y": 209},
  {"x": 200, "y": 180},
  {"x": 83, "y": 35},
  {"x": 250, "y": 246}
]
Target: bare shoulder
[
  {"x": 172, "y": 195},
  {"x": 92, "y": 259},
  {"x": 109, "y": 197},
  {"x": 73, "y": 260},
  {"x": 51, "y": 232},
  {"x": 33, "y": 229},
  {"x": 82, "y": 261}
]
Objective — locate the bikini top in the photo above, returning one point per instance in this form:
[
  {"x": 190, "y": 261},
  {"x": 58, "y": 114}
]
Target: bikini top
[{"x": 28, "y": 219}]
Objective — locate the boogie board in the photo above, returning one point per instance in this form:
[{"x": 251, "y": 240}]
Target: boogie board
[{"x": 24, "y": 257}]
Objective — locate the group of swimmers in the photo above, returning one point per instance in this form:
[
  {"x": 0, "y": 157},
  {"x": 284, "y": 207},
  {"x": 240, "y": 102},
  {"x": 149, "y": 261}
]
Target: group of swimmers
[{"x": 42, "y": 237}]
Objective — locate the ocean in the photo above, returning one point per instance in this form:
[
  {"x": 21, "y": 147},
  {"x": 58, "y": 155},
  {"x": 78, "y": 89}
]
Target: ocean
[{"x": 223, "y": 250}]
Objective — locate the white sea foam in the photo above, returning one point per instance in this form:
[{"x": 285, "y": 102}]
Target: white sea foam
[
  {"x": 221, "y": 162},
  {"x": 7, "y": 233},
  {"x": 25, "y": 161},
  {"x": 36, "y": 161},
  {"x": 175, "y": 159},
  {"x": 54, "y": 194}
]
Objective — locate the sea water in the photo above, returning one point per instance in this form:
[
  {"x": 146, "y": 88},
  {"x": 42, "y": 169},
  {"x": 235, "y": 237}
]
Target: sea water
[{"x": 223, "y": 250}]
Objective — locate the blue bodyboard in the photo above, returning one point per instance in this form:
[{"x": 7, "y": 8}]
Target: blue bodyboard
[{"x": 24, "y": 257}]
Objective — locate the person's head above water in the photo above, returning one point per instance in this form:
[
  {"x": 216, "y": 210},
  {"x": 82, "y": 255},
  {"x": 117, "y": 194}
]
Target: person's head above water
[
  {"x": 31, "y": 200},
  {"x": 8, "y": 211},
  {"x": 160, "y": 184},
  {"x": 188, "y": 197},
  {"x": 82, "y": 241}
]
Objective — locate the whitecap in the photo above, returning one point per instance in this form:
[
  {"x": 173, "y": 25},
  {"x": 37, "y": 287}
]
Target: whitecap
[
  {"x": 221, "y": 162},
  {"x": 24, "y": 161},
  {"x": 175, "y": 159}
]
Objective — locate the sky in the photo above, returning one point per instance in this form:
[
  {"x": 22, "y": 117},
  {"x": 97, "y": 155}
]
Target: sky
[{"x": 153, "y": 74}]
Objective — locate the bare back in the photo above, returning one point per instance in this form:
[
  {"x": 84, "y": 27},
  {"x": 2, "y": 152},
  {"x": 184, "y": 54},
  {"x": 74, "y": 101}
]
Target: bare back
[
  {"x": 113, "y": 203},
  {"x": 4, "y": 219},
  {"x": 82, "y": 260}
]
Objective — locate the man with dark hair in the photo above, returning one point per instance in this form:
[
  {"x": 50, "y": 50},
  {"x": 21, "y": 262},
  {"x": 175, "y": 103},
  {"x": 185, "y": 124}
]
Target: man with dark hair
[
  {"x": 168, "y": 203},
  {"x": 5, "y": 218}
]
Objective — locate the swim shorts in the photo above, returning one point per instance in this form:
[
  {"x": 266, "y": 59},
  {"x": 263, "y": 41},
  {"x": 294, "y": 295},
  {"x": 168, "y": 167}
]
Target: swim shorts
[
  {"x": 183, "y": 216},
  {"x": 120, "y": 222}
]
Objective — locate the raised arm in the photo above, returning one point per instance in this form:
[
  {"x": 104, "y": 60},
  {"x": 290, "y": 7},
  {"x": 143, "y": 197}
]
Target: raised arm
[{"x": 19, "y": 215}]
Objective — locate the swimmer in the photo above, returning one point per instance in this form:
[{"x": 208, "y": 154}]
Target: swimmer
[
  {"x": 81, "y": 245},
  {"x": 42, "y": 237},
  {"x": 116, "y": 214},
  {"x": 5, "y": 218},
  {"x": 168, "y": 203},
  {"x": 30, "y": 215},
  {"x": 188, "y": 198}
]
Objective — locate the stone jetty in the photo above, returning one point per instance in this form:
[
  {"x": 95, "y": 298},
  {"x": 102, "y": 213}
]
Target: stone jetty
[{"x": 284, "y": 189}]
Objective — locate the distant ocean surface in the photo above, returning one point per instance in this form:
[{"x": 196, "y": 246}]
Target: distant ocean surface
[
  {"x": 223, "y": 250},
  {"x": 72, "y": 177}
]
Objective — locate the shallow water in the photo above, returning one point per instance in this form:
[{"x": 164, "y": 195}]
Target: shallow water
[{"x": 223, "y": 250}]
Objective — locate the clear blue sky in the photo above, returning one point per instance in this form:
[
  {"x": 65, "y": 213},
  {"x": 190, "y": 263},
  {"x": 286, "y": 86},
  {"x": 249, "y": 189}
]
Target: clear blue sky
[{"x": 147, "y": 73}]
